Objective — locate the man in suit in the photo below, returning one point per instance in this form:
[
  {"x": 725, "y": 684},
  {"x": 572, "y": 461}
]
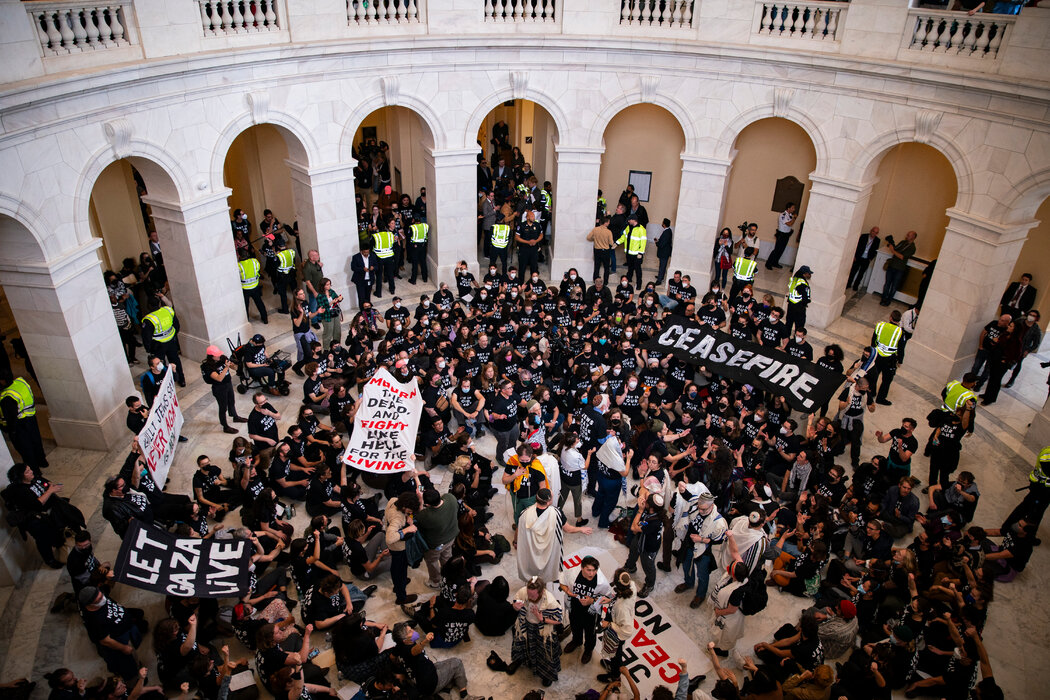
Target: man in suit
[
  {"x": 664, "y": 243},
  {"x": 1019, "y": 297},
  {"x": 867, "y": 247},
  {"x": 484, "y": 174},
  {"x": 362, "y": 274},
  {"x": 502, "y": 172},
  {"x": 487, "y": 218},
  {"x": 637, "y": 211}
]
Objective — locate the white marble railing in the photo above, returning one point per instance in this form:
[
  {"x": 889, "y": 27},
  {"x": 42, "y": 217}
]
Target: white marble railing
[
  {"x": 819, "y": 21},
  {"x": 662, "y": 13},
  {"x": 957, "y": 34},
  {"x": 224, "y": 17},
  {"x": 539, "y": 11},
  {"x": 72, "y": 27},
  {"x": 379, "y": 12}
]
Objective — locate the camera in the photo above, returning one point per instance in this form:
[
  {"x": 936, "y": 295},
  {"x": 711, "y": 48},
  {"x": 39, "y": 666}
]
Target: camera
[
  {"x": 889, "y": 239},
  {"x": 744, "y": 226}
]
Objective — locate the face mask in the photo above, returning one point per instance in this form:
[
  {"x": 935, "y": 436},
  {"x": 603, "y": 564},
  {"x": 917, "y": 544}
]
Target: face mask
[
  {"x": 784, "y": 430},
  {"x": 572, "y": 277},
  {"x": 426, "y": 303},
  {"x": 603, "y": 387},
  {"x": 628, "y": 334},
  {"x": 535, "y": 278},
  {"x": 441, "y": 365},
  {"x": 619, "y": 318},
  {"x": 1031, "y": 318},
  {"x": 579, "y": 328},
  {"x": 946, "y": 521},
  {"x": 159, "y": 369},
  {"x": 397, "y": 329},
  {"x": 508, "y": 358},
  {"x": 616, "y": 371},
  {"x": 513, "y": 275},
  {"x": 397, "y": 304},
  {"x": 692, "y": 394},
  {"x": 536, "y": 420},
  {"x": 714, "y": 290},
  {"x": 514, "y": 294},
  {"x": 799, "y": 338},
  {"x": 633, "y": 384},
  {"x": 583, "y": 400},
  {"x": 578, "y": 445},
  {"x": 623, "y": 283},
  {"x": 601, "y": 341},
  {"x": 648, "y": 302}
]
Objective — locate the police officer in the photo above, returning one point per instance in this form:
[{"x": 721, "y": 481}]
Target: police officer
[
  {"x": 18, "y": 420},
  {"x": 417, "y": 250},
  {"x": 529, "y": 236},
  {"x": 744, "y": 268},
  {"x": 498, "y": 245},
  {"x": 798, "y": 298},
  {"x": 285, "y": 278},
  {"x": 634, "y": 239},
  {"x": 383, "y": 248},
  {"x": 217, "y": 370},
  {"x": 250, "y": 270},
  {"x": 160, "y": 338},
  {"x": 1038, "y": 497},
  {"x": 886, "y": 338}
]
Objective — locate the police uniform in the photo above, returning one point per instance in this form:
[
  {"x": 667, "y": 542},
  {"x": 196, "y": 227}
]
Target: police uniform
[
  {"x": 634, "y": 239},
  {"x": 18, "y": 419},
  {"x": 417, "y": 250},
  {"x": 250, "y": 271},
  {"x": 160, "y": 338},
  {"x": 743, "y": 274},
  {"x": 498, "y": 245},
  {"x": 285, "y": 278},
  {"x": 528, "y": 255},
  {"x": 886, "y": 338},
  {"x": 797, "y": 300},
  {"x": 1038, "y": 497},
  {"x": 383, "y": 249}
]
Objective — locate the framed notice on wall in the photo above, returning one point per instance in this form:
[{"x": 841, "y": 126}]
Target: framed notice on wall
[{"x": 642, "y": 181}]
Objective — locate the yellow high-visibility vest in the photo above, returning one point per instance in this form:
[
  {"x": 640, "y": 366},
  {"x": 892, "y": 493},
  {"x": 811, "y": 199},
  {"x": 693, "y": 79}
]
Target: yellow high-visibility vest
[
  {"x": 887, "y": 336},
  {"x": 956, "y": 396},
  {"x": 500, "y": 235},
  {"x": 384, "y": 244},
  {"x": 636, "y": 239},
  {"x": 794, "y": 289},
  {"x": 744, "y": 269},
  {"x": 249, "y": 273},
  {"x": 285, "y": 261},
  {"x": 163, "y": 320},
  {"x": 419, "y": 233},
  {"x": 22, "y": 394}
]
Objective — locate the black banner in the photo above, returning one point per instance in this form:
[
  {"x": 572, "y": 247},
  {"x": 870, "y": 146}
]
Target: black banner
[
  {"x": 806, "y": 386},
  {"x": 157, "y": 561}
]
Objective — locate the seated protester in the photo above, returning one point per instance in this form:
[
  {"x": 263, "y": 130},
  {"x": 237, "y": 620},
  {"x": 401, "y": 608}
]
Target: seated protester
[
  {"x": 953, "y": 678},
  {"x": 247, "y": 620},
  {"x": 355, "y": 508},
  {"x": 960, "y": 497},
  {"x": 899, "y": 508},
  {"x": 266, "y": 517},
  {"x": 475, "y": 474},
  {"x": 250, "y": 484},
  {"x": 115, "y": 631},
  {"x": 435, "y": 443},
  {"x": 800, "y": 576},
  {"x": 322, "y": 496},
  {"x": 495, "y": 613},
  {"x": 270, "y": 657},
  {"x": 838, "y": 629},
  {"x": 303, "y": 458},
  {"x": 797, "y": 480},
  {"x": 331, "y": 601},
  {"x": 1016, "y": 549},
  {"x": 430, "y": 677},
  {"x": 873, "y": 543},
  {"x": 341, "y": 407},
  {"x": 176, "y": 647},
  {"x": 792, "y": 652},
  {"x": 474, "y": 544},
  {"x": 121, "y": 504},
  {"x": 366, "y": 551},
  {"x": 43, "y": 513},
  {"x": 281, "y": 479},
  {"x": 210, "y": 489},
  {"x": 435, "y": 397},
  {"x": 319, "y": 533},
  {"x": 212, "y": 677},
  {"x": 194, "y": 523},
  {"x": 315, "y": 395},
  {"x": 84, "y": 568},
  {"x": 358, "y": 646},
  {"x": 451, "y": 623}
]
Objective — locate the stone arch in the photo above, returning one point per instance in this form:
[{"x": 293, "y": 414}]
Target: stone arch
[
  {"x": 20, "y": 227},
  {"x": 676, "y": 108},
  {"x": 866, "y": 163},
  {"x": 495, "y": 98},
  {"x": 438, "y": 138},
  {"x": 741, "y": 121},
  {"x": 302, "y": 147},
  {"x": 1027, "y": 196},
  {"x": 164, "y": 177}
]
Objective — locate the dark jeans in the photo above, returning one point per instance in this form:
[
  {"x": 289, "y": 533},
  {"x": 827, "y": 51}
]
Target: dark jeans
[
  {"x": 855, "y": 435},
  {"x": 169, "y": 352},
  {"x": 225, "y": 397},
  {"x": 796, "y": 317},
  {"x": 399, "y": 574},
  {"x": 25, "y": 438},
  {"x": 583, "y": 626},
  {"x": 648, "y": 561},
  {"x": 281, "y": 283},
  {"x": 856, "y": 273},
  {"x": 942, "y": 464},
  {"x": 129, "y": 340},
  {"x": 364, "y": 293},
  {"x": 266, "y": 375},
  {"x": 886, "y": 366},
  {"x": 698, "y": 570},
  {"x": 385, "y": 267},
  {"x": 417, "y": 255},
  {"x": 893, "y": 283},
  {"x": 528, "y": 255},
  {"x": 996, "y": 371},
  {"x": 634, "y": 263},
  {"x": 256, "y": 296},
  {"x": 605, "y": 500},
  {"x": 602, "y": 259},
  {"x": 663, "y": 271}
]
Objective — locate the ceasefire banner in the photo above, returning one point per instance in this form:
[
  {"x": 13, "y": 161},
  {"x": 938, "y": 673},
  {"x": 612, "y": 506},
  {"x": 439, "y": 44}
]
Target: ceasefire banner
[
  {"x": 651, "y": 653},
  {"x": 805, "y": 385},
  {"x": 385, "y": 426},
  {"x": 161, "y": 433},
  {"x": 155, "y": 560}
]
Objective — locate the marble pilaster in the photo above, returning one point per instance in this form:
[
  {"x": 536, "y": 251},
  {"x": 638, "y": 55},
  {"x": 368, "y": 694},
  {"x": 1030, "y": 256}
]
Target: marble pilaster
[
  {"x": 201, "y": 262},
  {"x": 64, "y": 317},
  {"x": 833, "y": 221},
  {"x": 699, "y": 217},
  {"x": 452, "y": 211},
  {"x": 575, "y": 202},
  {"x": 974, "y": 266},
  {"x": 324, "y": 205}
]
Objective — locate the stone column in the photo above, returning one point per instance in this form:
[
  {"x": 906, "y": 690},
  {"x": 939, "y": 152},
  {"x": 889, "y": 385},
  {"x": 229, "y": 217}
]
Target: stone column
[
  {"x": 700, "y": 202},
  {"x": 324, "y": 207},
  {"x": 575, "y": 202},
  {"x": 452, "y": 212},
  {"x": 975, "y": 264},
  {"x": 1038, "y": 435},
  {"x": 834, "y": 218},
  {"x": 64, "y": 317},
  {"x": 201, "y": 263}
]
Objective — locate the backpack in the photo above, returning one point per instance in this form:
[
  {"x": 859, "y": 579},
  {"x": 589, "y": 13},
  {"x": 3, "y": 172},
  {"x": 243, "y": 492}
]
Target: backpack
[{"x": 755, "y": 594}]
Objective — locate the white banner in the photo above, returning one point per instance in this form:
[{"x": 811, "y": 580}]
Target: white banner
[
  {"x": 163, "y": 427},
  {"x": 385, "y": 426},
  {"x": 651, "y": 654}
]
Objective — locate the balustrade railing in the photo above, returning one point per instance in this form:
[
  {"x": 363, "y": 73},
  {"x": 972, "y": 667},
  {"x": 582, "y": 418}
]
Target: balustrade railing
[
  {"x": 541, "y": 11},
  {"x": 662, "y": 13},
  {"x": 819, "y": 21},
  {"x": 958, "y": 34},
  {"x": 378, "y": 12},
  {"x": 73, "y": 27},
  {"x": 226, "y": 17}
]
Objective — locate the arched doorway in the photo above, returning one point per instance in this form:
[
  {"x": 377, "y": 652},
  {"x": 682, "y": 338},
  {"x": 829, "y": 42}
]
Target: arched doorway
[
  {"x": 915, "y": 187},
  {"x": 517, "y": 140},
  {"x": 643, "y": 147},
  {"x": 772, "y": 161}
]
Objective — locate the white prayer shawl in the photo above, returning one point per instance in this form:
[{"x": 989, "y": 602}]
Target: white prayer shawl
[
  {"x": 553, "y": 469},
  {"x": 685, "y": 508},
  {"x": 750, "y": 542},
  {"x": 540, "y": 543}
]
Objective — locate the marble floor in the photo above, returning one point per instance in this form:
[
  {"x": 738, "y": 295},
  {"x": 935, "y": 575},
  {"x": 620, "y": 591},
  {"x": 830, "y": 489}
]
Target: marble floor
[{"x": 33, "y": 641}]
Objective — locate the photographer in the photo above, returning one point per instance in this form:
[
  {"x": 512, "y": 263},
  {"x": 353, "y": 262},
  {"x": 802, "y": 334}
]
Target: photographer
[
  {"x": 259, "y": 365},
  {"x": 216, "y": 370}
]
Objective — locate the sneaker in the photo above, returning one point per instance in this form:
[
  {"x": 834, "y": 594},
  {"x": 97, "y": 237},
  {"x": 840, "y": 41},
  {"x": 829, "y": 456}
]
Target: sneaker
[
  {"x": 433, "y": 585},
  {"x": 582, "y": 522},
  {"x": 230, "y": 431},
  {"x": 370, "y": 590},
  {"x": 883, "y": 402}
]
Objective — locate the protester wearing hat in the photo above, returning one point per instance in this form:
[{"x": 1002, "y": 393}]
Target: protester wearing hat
[
  {"x": 705, "y": 529},
  {"x": 115, "y": 631},
  {"x": 838, "y": 629},
  {"x": 216, "y": 370},
  {"x": 798, "y": 298},
  {"x": 746, "y": 541},
  {"x": 648, "y": 529},
  {"x": 540, "y": 537}
]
